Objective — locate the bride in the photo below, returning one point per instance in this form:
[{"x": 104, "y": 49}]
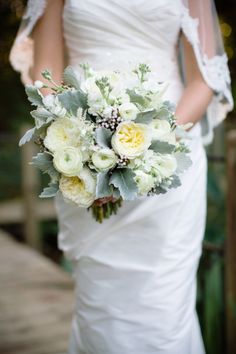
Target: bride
[{"x": 136, "y": 273}]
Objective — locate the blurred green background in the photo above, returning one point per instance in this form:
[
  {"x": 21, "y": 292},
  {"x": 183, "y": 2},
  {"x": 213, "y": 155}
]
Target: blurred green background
[{"x": 14, "y": 111}]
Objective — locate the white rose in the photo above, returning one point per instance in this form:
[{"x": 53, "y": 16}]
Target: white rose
[
  {"x": 145, "y": 182},
  {"x": 104, "y": 159},
  {"x": 128, "y": 111},
  {"x": 68, "y": 161},
  {"x": 80, "y": 189},
  {"x": 165, "y": 165},
  {"x": 61, "y": 133},
  {"x": 131, "y": 139},
  {"x": 161, "y": 130}
]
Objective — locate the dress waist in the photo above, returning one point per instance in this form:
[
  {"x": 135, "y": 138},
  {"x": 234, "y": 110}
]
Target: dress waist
[{"x": 164, "y": 66}]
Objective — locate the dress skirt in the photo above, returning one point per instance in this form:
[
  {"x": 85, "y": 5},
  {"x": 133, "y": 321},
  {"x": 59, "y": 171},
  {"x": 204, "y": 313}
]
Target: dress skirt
[{"x": 135, "y": 273}]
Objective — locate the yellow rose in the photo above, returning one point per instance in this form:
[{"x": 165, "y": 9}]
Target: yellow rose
[
  {"x": 79, "y": 189},
  {"x": 131, "y": 139}
]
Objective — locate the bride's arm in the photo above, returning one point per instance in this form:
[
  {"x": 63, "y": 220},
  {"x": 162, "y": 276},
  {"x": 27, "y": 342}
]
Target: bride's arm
[
  {"x": 197, "y": 94},
  {"x": 48, "y": 42}
]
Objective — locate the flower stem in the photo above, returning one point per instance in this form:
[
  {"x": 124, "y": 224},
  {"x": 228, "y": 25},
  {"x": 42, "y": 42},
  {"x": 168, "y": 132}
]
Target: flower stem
[{"x": 106, "y": 210}]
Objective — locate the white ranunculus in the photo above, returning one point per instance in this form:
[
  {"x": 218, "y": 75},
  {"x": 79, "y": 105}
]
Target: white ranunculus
[
  {"x": 145, "y": 182},
  {"x": 79, "y": 189},
  {"x": 68, "y": 161},
  {"x": 104, "y": 159},
  {"x": 128, "y": 111},
  {"x": 165, "y": 165},
  {"x": 61, "y": 133},
  {"x": 131, "y": 139},
  {"x": 161, "y": 130}
]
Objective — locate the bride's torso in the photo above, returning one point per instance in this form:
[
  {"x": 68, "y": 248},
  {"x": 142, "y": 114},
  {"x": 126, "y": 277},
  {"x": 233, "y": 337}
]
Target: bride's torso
[{"x": 110, "y": 34}]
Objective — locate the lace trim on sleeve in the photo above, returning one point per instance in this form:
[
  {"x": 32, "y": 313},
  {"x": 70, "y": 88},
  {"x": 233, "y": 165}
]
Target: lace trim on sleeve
[
  {"x": 21, "y": 55},
  {"x": 216, "y": 74}
]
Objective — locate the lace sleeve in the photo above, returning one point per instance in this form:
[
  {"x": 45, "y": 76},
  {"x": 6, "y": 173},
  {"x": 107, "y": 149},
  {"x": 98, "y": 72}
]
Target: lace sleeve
[
  {"x": 201, "y": 28},
  {"x": 21, "y": 54}
]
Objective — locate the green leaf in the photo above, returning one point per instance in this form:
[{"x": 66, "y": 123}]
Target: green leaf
[
  {"x": 163, "y": 113},
  {"x": 160, "y": 190},
  {"x": 162, "y": 147},
  {"x": 116, "y": 193},
  {"x": 42, "y": 117},
  {"x": 27, "y": 136},
  {"x": 103, "y": 137},
  {"x": 136, "y": 98},
  {"x": 123, "y": 179},
  {"x": 44, "y": 162},
  {"x": 176, "y": 182},
  {"x": 72, "y": 100},
  {"x": 71, "y": 77},
  {"x": 34, "y": 95},
  {"x": 49, "y": 191},
  {"x": 169, "y": 106},
  {"x": 146, "y": 117},
  {"x": 183, "y": 162},
  {"x": 103, "y": 189}
]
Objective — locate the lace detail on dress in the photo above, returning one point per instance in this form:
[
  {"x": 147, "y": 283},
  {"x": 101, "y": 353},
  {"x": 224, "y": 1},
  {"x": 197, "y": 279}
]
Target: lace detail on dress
[
  {"x": 190, "y": 27},
  {"x": 216, "y": 74},
  {"x": 34, "y": 9},
  {"x": 217, "y": 71},
  {"x": 21, "y": 55}
]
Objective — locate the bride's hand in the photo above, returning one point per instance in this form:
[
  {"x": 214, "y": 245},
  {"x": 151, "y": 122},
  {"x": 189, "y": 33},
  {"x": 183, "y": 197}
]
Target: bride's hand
[{"x": 101, "y": 201}]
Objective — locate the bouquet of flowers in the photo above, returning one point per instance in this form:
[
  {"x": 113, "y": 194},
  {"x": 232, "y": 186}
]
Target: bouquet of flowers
[{"x": 106, "y": 134}]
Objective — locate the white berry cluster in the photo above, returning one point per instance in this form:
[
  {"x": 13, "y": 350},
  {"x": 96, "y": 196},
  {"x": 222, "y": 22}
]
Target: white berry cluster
[
  {"x": 122, "y": 161},
  {"x": 110, "y": 122}
]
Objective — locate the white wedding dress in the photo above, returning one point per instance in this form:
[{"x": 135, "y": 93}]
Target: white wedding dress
[{"x": 136, "y": 273}]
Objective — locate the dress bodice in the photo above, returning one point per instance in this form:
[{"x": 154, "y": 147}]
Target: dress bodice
[{"x": 111, "y": 33}]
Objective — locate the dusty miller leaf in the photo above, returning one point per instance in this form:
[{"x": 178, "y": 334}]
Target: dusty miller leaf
[
  {"x": 103, "y": 189},
  {"x": 146, "y": 117},
  {"x": 42, "y": 117},
  {"x": 71, "y": 77},
  {"x": 123, "y": 179},
  {"x": 72, "y": 100},
  {"x": 103, "y": 137},
  {"x": 176, "y": 182},
  {"x": 49, "y": 191},
  {"x": 34, "y": 96},
  {"x": 44, "y": 162},
  {"x": 27, "y": 136},
  {"x": 183, "y": 162},
  {"x": 136, "y": 98},
  {"x": 162, "y": 147}
]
